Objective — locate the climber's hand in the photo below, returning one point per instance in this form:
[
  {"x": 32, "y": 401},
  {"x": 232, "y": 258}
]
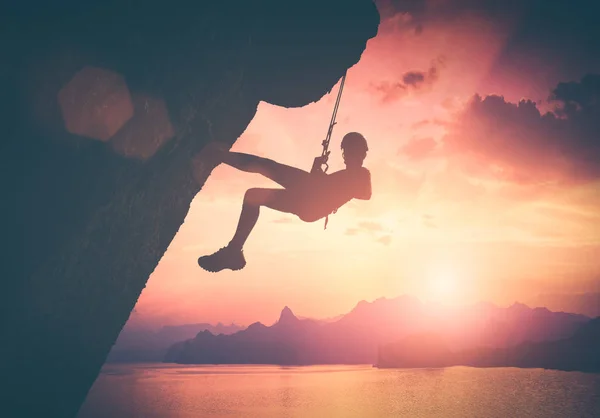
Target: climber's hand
[
  {"x": 322, "y": 159},
  {"x": 319, "y": 162}
]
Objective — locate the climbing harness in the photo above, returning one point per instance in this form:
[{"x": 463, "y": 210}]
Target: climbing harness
[{"x": 325, "y": 143}]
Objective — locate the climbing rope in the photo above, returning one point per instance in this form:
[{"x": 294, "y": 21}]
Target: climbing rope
[
  {"x": 332, "y": 123},
  {"x": 327, "y": 139}
]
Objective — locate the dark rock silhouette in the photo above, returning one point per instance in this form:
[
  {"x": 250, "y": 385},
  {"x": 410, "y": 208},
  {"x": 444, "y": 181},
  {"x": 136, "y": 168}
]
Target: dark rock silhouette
[
  {"x": 356, "y": 338},
  {"x": 580, "y": 352},
  {"x": 141, "y": 345},
  {"x": 87, "y": 218}
]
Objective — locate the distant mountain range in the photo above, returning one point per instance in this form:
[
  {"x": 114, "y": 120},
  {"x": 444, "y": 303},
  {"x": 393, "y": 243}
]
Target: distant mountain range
[
  {"x": 142, "y": 345},
  {"x": 356, "y": 337},
  {"x": 579, "y": 352},
  {"x": 585, "y": 303}
]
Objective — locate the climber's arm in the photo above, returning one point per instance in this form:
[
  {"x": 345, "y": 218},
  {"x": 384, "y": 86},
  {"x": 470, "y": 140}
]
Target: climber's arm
[{"x": 318, "y": 163}]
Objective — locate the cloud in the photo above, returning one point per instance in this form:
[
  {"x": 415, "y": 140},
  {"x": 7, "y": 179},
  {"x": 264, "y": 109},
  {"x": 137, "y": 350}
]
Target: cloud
[
  {"x": 420, "y": 124},
  {"x": 418, "y": 148},
  {"x": 389, "y": 92},
  {"x": 450, "y": 103},
  {"x": 385, "y": 240},
  {"x": 516, "y": 143},
  {"x": 413, "y": 78},
  {"x": 352, "y": 231},
  {"x": 429, "y": 224},
  {"x": 554, "y": 29},
  {"x": 411, "y": 81},
  {"x": 428, "y": 122},
  {"x": 416, "y": 79},
  {"x": 428, "y": 221},
  {"x": 573, "y": 96},
  {"x": 370, "y": 226}
]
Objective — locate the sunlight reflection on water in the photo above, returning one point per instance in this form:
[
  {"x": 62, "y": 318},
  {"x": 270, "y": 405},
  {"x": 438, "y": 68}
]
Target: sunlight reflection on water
[{"x": 169, "y": 391}]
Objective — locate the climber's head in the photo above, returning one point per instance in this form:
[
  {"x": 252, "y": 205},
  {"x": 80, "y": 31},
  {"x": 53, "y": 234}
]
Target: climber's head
[{"x": 354, "y": 149}]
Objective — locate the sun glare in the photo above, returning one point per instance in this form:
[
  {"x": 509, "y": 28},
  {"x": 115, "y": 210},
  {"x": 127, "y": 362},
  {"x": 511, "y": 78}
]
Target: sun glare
[{"x": 442, "y": 285}]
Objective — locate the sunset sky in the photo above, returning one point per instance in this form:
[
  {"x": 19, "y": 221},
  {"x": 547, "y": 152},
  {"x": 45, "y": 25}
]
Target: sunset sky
[{"x": 474, "y": 197}]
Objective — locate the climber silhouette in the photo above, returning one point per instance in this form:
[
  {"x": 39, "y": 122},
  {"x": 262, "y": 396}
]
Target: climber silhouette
[{"x": 310, "y": 196}]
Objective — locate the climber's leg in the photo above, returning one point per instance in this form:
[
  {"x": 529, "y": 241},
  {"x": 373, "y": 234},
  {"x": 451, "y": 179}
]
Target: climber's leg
[
  {"x": 284, "y": 175},
  {"x": 231, "y": 256},
  {"x": 277, "y": 199}
]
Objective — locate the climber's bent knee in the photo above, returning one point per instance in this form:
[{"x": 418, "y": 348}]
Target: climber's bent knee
[{"x": 257, "y": 196}]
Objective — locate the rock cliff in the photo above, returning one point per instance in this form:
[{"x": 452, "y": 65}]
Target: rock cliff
[{"x": 104, "y": 105}]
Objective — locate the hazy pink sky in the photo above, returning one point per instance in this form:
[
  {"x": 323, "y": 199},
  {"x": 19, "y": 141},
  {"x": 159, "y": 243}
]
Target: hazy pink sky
[{"x": 459, "y": 213}]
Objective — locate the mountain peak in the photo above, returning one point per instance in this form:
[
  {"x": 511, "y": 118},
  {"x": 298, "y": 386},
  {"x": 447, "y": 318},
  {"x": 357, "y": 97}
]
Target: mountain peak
[
  {"x": 518, "y": 306},
  {"x": 287, "y": 315}
]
